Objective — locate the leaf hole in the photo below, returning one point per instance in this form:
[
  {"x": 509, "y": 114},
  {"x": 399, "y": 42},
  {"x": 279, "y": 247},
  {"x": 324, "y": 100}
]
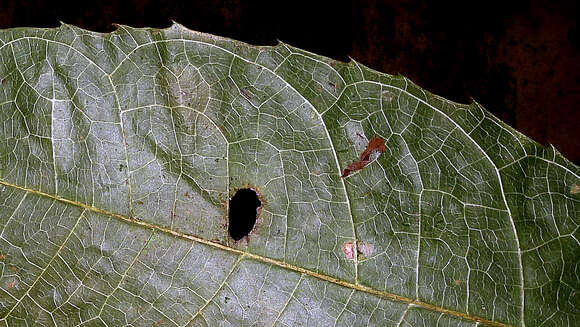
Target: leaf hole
[{"x": 244, "y": 207}]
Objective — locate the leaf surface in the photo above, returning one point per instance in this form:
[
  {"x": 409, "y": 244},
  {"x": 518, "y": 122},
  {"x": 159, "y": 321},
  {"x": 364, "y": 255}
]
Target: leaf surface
[{"x": 119, "y": 152}]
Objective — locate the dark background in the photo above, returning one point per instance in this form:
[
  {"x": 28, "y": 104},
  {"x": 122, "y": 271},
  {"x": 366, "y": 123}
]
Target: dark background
[{"x": 519, "y": 59}]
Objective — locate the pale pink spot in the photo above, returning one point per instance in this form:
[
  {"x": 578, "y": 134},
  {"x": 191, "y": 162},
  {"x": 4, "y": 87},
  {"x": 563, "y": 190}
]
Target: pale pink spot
[
  {"x": 366, "y": 249},
  {"x": 348, "y": 249}
]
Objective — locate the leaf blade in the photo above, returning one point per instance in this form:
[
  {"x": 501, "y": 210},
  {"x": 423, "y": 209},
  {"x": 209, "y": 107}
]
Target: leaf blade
[{"x": 193, "y": 117}]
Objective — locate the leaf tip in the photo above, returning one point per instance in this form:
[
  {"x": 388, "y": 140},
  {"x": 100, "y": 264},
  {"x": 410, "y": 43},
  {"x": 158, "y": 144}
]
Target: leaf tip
[
  {"x": 64, "y": 25},
  {"x": 176, "y": 25}
]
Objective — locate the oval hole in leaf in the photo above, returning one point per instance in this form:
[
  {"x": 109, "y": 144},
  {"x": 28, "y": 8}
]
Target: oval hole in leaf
[{"x": 243, "y": 213}]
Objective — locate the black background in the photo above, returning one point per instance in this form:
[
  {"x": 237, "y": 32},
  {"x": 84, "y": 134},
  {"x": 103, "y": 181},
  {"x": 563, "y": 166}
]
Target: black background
[{"x": 519, "y": 59}]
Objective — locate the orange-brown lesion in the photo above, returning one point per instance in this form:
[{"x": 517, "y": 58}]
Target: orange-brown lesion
[{"x": 375, "y": 144}]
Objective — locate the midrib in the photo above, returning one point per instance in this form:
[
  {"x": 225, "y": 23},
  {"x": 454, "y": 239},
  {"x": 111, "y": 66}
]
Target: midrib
[{"x": 361, "y": 288}]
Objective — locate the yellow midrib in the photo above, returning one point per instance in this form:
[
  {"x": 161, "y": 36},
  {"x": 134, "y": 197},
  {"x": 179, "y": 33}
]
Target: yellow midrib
[{"x": 278, "y": 263}]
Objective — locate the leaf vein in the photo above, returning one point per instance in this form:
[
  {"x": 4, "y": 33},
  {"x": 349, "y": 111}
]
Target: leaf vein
[{"x": 358, "y": 287}]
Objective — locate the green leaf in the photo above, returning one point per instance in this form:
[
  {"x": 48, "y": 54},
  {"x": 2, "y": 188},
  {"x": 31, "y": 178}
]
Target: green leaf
[{"x": 118, "y": 153}]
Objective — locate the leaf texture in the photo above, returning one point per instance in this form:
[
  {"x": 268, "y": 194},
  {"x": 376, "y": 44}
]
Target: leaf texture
[{"x": 118, "y": 153}]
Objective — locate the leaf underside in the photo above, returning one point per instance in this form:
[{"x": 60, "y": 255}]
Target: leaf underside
[{"x": 118, "y": 153}]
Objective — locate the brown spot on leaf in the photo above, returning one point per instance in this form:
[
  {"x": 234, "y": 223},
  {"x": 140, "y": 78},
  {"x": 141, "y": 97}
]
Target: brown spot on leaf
[
  {"x": 12, "y": 284},
  {"x": 357, "y": 165},
  {"x": 348, "y": 250},
  {"x": 575, "y": 189},
  {"x": 375, "y": 144},
  {"x": 2, "y": 256},
  {"x": 245, "y": 94}
]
